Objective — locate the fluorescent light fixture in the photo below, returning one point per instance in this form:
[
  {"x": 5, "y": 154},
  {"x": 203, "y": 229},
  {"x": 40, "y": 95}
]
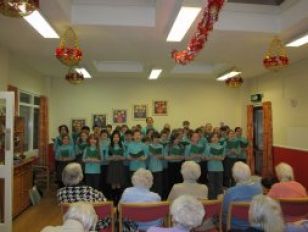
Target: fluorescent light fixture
[
  {"x": 37, "y": 21},
  {"x": 84, "y": 72},
  {"x": 182, "y": 23},
  {"x": 228, "y": 75},
  {"x": 155, "y": 74},
  {"x": 298, "y": 42}
]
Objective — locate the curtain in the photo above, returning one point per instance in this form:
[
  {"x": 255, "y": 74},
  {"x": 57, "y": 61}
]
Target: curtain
[
  {"x": 250, "y": 155},
  {"x": 14, "y": 89},
  {"x": 267, "y": 169},
  {"x": 43, "y": 131}
]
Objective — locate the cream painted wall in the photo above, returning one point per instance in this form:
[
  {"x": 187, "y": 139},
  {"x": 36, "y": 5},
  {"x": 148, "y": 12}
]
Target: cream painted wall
[
  {"x": 194, "y": 100},
  {"x": 287, "y": 90},
  {"x": 4, "y": 67}
]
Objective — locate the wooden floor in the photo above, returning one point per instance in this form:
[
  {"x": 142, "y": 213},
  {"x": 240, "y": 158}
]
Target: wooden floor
[{"x": 37, "y": 217}]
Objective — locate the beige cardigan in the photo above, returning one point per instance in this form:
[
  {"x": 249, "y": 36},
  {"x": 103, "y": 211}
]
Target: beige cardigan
[{"x": 194, "y": 189}]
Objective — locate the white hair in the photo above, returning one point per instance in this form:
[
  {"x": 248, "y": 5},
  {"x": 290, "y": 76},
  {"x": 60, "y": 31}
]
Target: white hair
[
  {"x": 284, "y": 172},
  {"x": 265, "y": 213},
  {"x": 72, "y": 174},
  {"x": 190, "y": 170},
  {"x": 142, "y": 178},
  {"x": 241, "y": 172},
  {"x": 187, "y": 212},
  {"x": 82, "y": 212}
]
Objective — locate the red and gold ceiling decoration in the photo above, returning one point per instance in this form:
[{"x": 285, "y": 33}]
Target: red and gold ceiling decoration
[
  {"x": 74, "y": 77},
  {"x": 198, "y": 40},
  {"x": 276, "y": 57},
  {"x": 18, "y": 8},
  {"x": 69, "y": 52},
  {"x": 234, "y": 82}
]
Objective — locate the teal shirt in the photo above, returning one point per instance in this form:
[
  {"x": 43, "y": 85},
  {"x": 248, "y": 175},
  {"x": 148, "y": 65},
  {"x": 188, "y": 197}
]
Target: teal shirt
[
  {"x": 165, "y": 145},
  {"x": 75, "y": 136},
  {"x": 155, "y": 165},
  {"x": 135, "y": 148},
  {"x": 192, "y": 149},
  {"x": 65, "y": 151},
  {"x": 232, "y": 145},
  {"x": 176, "y": 150},
  {"x": 58, "y": 142},
  {"x": 79, "y": 147},
  {"x": 92, "y": 168},
  {"x": 243, "y": 145},
  {"x": 214, "y": 165},
  {"x": 125, "y": 144},
  {"x": 103, "y": 147},
  {"x": 116, "y": 149}
]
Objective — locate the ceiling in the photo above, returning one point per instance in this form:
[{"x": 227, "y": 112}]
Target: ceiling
[
  {"x": 261, "y": 2},
  {"x": 125, "y": 39}
]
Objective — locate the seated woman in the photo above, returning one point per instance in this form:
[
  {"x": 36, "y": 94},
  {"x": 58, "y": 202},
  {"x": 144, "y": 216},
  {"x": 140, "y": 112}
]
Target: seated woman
[
  {"x": 80, "y": 217},
  {"x": 74, "y": 191},
  {"x": 142, "y": 181},
  {"x": 244, "y": 190},
  {"x": 265, "y": 215},
  {"x": 187, "y": 213},
  {"x": 191, "y": 172},
  {"x": 287, "y": 186}
]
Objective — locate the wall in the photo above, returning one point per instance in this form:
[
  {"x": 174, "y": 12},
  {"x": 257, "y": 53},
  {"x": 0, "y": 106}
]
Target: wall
[
  {"x": 196, "y": 100},
  {"x": 4, "y": 66},
  {"x": 287, "y": 90}
]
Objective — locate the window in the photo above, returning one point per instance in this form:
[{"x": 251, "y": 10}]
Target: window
[{"x": 29, "y": 109}]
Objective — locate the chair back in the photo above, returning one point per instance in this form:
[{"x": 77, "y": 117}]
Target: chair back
[
  {"x": 102, "y": 209},
  {"x": 294, "y": 209},
  {"x": 213, "y": 209},
  {"x": 238, "y": 210},
  {"x": 143, "y": 212}
]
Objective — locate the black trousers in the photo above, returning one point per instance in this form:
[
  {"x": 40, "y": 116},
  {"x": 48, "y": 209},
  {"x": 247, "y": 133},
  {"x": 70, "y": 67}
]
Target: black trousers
[
  {"x": 203, "y": 178},
  {"x": 215, "y": 184},
  {"x": 60, "y": 165},
  {"x": 228, "y": 178},
  {"x": 103, "y": 185},
  {"x": 157, "y": 183},
  {"x": 93, "y": 180},
  {"x": 174, "y": 174},
  {"x": 165, "y": 184}
]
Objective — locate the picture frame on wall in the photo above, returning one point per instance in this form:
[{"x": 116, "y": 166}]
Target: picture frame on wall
[
  {"x": 140, "y": 111},
  {"x": 99, "y": 120},
  {"x": 78, "y": 122},
  {"x": 160, "y": 108},
  {"x": 119, "y": 116}
]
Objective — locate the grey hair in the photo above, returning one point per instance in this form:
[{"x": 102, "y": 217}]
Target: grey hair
[
  {"x": 265, "y": 213},
  {"x": 142, "y": 178},
  {"x": 241, "y": 172},
  {"x": 284, "y": 172},
  {"x": 72, "y": 174},
  {"x": 82, "y": 212},
  {"x": 187, "y": 212},
  {"x": 190, "y": 170}
]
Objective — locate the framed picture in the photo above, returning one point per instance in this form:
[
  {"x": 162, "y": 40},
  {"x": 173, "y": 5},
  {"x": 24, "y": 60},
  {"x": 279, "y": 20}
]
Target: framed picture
[
  {"x": 77, "y": 123},
  {"x": 119, "y": 116},
  {"x": 140, "y": 112},
  {"x": 160, "y": 108},
  {"x": 99, "y": 120}
]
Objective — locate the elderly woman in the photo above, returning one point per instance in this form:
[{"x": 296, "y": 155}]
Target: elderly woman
[
  {"x": 142, "y": 181},
  {"x": 244, "y": 190},
  {"x": 80, "y": 217},
  {"x": 191, "y": 172},
  {"x": 74, "y": 191},
  {"x": 265, "y": 215},
  {"x": 187, "y": 213},
  {"x": 287, "y": 186}
]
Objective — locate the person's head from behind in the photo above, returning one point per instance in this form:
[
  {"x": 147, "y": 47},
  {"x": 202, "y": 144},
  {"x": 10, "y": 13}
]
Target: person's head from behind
[
  {"x": 190, "y": 171},
  {"x": 284, "y": 172},
  {"x": 265, "y": 214},
  {"x": 187, "y": 212},
  {"x": 82, "y": 212},
  {"x": 72, "y": 174},
  {"x": 142, "y": 178},
  {"x": 241, "y": 172}
]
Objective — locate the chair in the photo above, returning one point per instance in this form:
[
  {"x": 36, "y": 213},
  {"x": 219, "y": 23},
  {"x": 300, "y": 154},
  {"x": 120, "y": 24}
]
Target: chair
[
  {"x": 213, "y": 209},
  {"x": 143, "y": 212},
  {"x": 102, "y": 209},
  {"x": 238, "y": 210},
  {"x": 294, "y": 209}
]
